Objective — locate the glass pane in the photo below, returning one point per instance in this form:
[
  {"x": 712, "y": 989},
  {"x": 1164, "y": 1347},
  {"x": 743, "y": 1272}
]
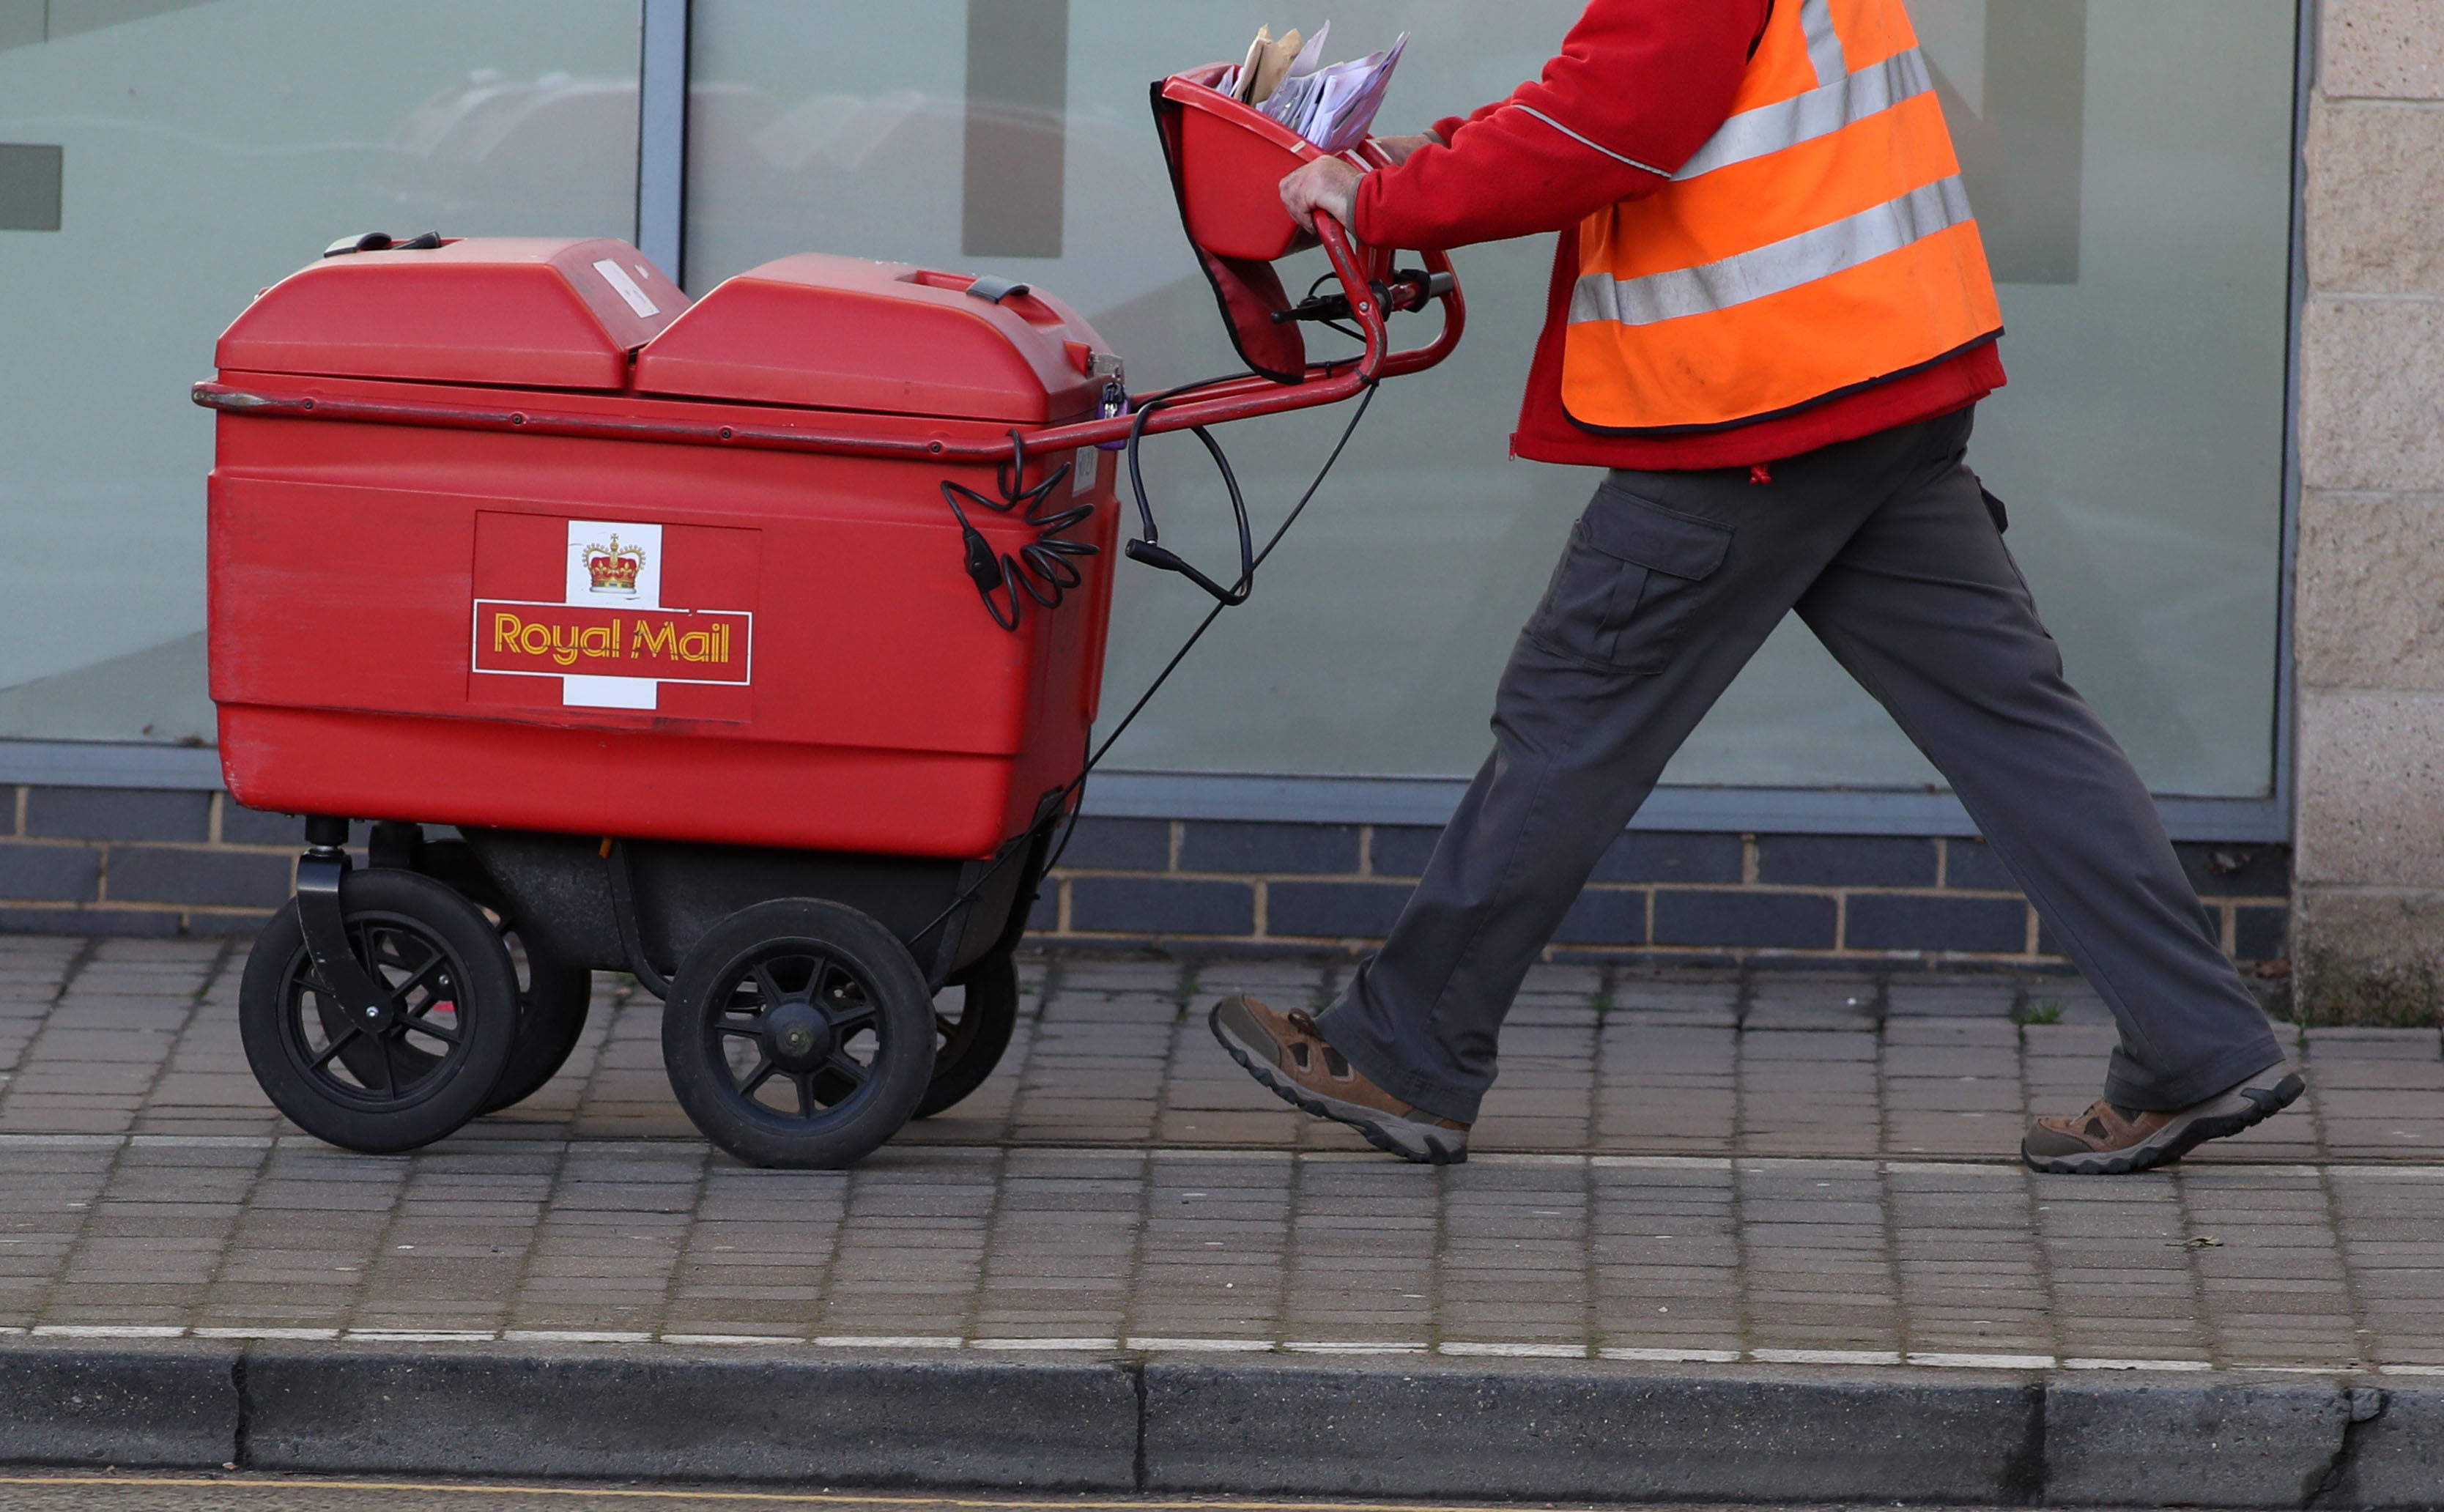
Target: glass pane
[
  {"x": 2139, "y": 221},
  {"x": 2144, "y": 215},
  {"x": 205, "y": 149}
]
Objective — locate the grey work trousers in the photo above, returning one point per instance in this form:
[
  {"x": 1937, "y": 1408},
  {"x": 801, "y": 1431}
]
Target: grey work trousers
[{"x": 1670, "y": 583}]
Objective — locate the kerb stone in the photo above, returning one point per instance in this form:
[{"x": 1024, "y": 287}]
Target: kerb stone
[
  {"x": 2152, "y": 1442},
  {"x": 97, "y": 1402},
  {"x": 2396, "y": 1456},
  {"x": 667, "y": 1414},
  {"x": 1432, "y": 1429}
]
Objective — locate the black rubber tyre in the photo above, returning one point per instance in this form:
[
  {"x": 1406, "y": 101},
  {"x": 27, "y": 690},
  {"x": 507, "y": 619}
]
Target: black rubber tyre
[
  {"x": 972, "y": 1020},
  {"x": 798, "y": 1033},
  {"x": 420, "y": 1077},
  {"x": 553, "y": 995}
]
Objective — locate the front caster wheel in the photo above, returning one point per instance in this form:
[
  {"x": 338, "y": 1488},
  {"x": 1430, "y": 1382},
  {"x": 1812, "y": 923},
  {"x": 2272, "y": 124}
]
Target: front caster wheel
[
  {"x": 420, "y": 1065},
  {"x": 798, "y": 1033},
  {"x": 972, "y": 1020}
]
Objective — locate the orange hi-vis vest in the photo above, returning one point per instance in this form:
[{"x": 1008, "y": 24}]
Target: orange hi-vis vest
[{"x": 1820, "y": 244}]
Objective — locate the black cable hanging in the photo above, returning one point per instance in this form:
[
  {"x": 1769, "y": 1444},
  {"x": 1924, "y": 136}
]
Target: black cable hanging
[
  {"x": 1150, "y": 549},
  {"x": 1068, "y": 794}
]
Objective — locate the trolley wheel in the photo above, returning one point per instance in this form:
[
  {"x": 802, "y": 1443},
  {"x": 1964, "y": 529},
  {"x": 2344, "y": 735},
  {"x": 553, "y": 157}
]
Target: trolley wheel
[
  {"x": 553, "y": 995},
  {"x": 798, "y": 1033},
  {"x": 970, "y": 1040},
  {"x": 426, "y": 1072}
]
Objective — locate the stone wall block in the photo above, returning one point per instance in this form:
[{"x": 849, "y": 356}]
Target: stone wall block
[
  {"x": 2376, "y": 197},
  {"x": 2368, "y": 958},
  {"x": 2382, "y": 50},
  {"x": 2369, "y": 613},
  {"x": 2373, "y": 391},
  {"x": 2371, "y": 790}
]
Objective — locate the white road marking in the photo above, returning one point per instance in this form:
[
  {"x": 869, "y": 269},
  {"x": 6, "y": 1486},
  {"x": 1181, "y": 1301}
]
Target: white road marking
[{"x": 1204, "y": 1346}]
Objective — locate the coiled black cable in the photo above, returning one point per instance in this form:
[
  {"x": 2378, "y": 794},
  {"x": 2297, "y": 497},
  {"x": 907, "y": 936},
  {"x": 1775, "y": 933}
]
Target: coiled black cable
[{"x": 1041, "y": 569}]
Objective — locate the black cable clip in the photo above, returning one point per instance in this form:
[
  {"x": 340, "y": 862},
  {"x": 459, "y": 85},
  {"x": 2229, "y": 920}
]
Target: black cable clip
[{"x": 1041, "y": 568}]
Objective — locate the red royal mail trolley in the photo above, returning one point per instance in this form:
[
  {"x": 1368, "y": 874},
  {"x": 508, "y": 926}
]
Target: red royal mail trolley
[{"x": 750, "y": 645}]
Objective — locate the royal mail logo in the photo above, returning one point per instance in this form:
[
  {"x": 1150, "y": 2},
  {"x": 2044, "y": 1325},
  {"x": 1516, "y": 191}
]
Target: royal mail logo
[
  {"x": 552, "y": 641},
  {"x": 613, "y": 658},
  {"x": 613, "y": 568}
]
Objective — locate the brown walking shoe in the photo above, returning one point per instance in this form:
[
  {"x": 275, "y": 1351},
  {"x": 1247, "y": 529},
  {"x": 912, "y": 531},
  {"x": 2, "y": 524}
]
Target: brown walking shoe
[
  {"x": 2110, "y": 1141},
  {"x": 1285, "y": 1051}
]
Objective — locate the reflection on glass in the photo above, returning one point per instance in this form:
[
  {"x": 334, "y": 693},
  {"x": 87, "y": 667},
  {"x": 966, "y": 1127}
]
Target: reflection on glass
[
  {"x": 207, "y": 148},
  {"x": 2140, "y": 220}
]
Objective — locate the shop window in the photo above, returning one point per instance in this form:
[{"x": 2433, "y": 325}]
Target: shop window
[{"x": 209, "y": 149}]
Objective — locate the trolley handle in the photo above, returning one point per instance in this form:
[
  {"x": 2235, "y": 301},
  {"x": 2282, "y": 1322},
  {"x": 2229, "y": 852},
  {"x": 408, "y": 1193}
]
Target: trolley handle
[
  {"x": 1246, "y": 399},
  {"x": 1409, "y": 288}
]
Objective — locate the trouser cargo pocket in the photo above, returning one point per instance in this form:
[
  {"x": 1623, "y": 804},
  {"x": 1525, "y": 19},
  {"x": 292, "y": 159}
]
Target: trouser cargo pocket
[{"x": 1628, "y": 586}]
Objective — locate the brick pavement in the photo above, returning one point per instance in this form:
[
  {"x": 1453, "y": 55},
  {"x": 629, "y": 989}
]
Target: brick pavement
[{"x": 1773, "y": 1168}]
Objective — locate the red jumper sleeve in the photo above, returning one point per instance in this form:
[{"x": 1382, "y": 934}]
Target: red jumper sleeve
[{"x": 1639, "y": 88}]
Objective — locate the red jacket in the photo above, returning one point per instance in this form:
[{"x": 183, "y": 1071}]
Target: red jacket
[{"x": 1649, "y": 80}]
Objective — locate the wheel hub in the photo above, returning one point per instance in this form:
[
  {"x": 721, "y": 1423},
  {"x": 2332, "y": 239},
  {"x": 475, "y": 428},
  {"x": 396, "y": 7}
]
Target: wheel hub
[{"x": 798, "y": 1034}]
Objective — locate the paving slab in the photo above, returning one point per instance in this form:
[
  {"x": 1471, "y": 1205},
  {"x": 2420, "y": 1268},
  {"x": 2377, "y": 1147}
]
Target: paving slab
[{"x": 1791, "y": 1200}]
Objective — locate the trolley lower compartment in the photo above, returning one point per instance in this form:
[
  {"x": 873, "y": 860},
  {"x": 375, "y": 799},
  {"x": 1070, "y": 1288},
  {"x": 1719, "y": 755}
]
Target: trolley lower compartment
[
  {"x": 564, "y": 890},
  {"x": 813, "y": 1001}
]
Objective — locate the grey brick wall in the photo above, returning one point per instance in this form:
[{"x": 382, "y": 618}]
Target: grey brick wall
[
  {"x": 121, "y": 861},
  {"x": 1311, "y": 886},
  {"x": 126, "y": 861}
]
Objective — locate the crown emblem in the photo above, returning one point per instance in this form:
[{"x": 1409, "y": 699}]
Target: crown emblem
[{"x": 613, "y": 568}]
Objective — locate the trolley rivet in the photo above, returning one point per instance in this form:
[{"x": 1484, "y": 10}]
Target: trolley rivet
[
  {"x": 309, "y": 404},
  {"x": 517, "y": 419},
  {"x": 725, "y": 433},
  {"x": 373, "y": 1013}
]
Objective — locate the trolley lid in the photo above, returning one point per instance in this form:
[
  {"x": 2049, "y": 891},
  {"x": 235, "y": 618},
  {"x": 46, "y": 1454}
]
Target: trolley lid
[
  {"x": 527, "y": 312},
  {"x": 840, "y": 333}
]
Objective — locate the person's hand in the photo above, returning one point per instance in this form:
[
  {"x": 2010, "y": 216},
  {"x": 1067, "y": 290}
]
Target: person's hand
[
  {"x": 1399, "y": 148},
  {"x": 1328, "y": 184}
]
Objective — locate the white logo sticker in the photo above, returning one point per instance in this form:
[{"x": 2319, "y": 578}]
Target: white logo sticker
[
  {"x": 622, "y": 559},
  {"x": 626, "y": 287},
  {"x": 1090, "y": 461}
]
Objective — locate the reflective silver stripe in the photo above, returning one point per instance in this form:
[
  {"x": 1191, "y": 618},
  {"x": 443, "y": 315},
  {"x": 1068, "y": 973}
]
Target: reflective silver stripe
[
  {"x": 1820, "y": 112},
  {"x": 1823, "y": 42},
  {"x": 1596, "y": 145},
  {"x": 1771, "y": 269}
]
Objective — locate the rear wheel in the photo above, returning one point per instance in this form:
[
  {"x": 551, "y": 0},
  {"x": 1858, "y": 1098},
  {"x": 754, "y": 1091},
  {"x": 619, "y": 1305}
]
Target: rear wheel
[
  {"x": 425, "y": 1060},
  {"x": 973, "y": 1017},
  {"x": 553, "y": 995},
  {"x": 798, "y": 1033}
]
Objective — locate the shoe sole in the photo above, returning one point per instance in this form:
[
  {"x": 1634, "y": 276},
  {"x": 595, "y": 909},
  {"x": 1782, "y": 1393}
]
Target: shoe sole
[
  {"x": 1428, "y": 1151},
  {"x": 2255, "y": 1105}
]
